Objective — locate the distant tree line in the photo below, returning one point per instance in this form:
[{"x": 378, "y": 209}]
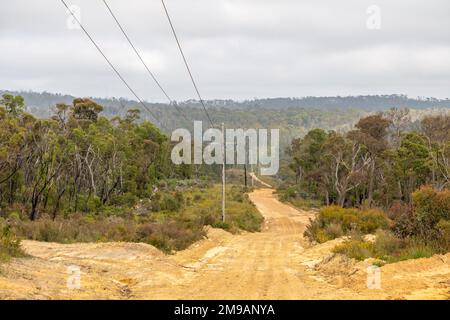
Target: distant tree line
[
  {"x": 375, "y": 164},
  {"x": 78, "y": 158}
]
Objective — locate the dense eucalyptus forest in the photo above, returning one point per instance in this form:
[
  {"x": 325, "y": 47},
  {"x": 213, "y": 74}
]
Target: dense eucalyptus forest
[
  {"x": 384, "y": 176},
  {"x": 77, "y": 157},
  {"x": 79, "y": 176},
  {"x": 378, "y": 162}
]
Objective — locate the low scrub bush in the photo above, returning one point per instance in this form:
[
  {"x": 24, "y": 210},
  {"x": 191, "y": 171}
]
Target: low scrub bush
[
  {"x": 288, "y": 193},
  {"x": 358, "y": 250},
  {"x": 9, "y": 243},
  {"x": 334, "y": 230},
  {"x": 170, "y": 203},
  {"x": 402, "y": 217},
  {"x": 414, "y": 252},
  {"x": 443, "y": 227},
  {"x": 170, "y": 236},
  {"x": 305, "y": 203},
  {"x": 298, "y": 199},
  {"x": 172, "y": 220},
  {"x": 127, "y": 199},
  {"x": 386, "y": 243},
  {"x": 335, "y": 221},
  {"x": 387, "y": 248},
  {"x": 77, "y": 229},
  {"x": 430, "y": 208},
  {"x": 167, "y": 236},
  {"x": 248, "y": 221}
]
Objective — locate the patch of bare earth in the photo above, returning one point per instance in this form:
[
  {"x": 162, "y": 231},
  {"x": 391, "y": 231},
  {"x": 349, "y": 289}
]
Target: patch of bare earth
[{"x": 277, "y": 263}]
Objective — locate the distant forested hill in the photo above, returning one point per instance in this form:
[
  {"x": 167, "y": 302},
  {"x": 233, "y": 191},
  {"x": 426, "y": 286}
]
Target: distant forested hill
[
  {"x": 368, "y": 103},
  {"x": 293, "y": 116}
]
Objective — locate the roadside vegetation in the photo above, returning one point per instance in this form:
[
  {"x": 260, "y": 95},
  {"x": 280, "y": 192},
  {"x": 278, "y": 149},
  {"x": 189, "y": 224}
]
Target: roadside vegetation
[
  {"x": 334, "y": 222},
  {"x": 389, "y": 176},
  {"x": 172, "y": 219},
  {"x": 80, "y": 177},
  {"x": 9, "y": 243},
  {"x": 416, "y": 231},
  {"x": 298, "y": 199}
]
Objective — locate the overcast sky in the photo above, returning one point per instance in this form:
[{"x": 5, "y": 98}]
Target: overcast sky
[{"x": 237, "y": 49}]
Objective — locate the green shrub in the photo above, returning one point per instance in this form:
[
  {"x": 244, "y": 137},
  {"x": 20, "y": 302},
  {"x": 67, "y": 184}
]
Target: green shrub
[
  {"x": 126, "y": 199},
  {"x": 113, "y": 211},
  {"x": 303, "y": 203},
  {"x": 313, "y": 228},
  {"x": 222, "y": 225},
  {"x": 179, "y": 198},
  {"x": 334, "y": 230},
  {"x": 386, "y": 243},
  {"x": 145, "y": 231},
  {"x": 444, "y": 230},
  {"x": 387, "y": 248},
  {"x": 370, "y": 220},
  {"x": 430, "y": 206},
  {"x": 239, "y": 197},
  {"x": 179, "y": 224},
  {"x": 415, "y": 252},
  {"x": 49, "y": 232},
  {"x": 289, "y": 193},
  {"x": 347, "y": 218},
  {"x": 249, "y": 221},
  {"x": 208, "y": 218},
  {"x": 14, "y": 215},
  {"x": 322, "y": 236},
  {"x": 9, "y": 243},
  {"x": 170, "y": 236},
  {"x": 299, "y": 199},
  {"x": 90, "y": 204},
  {"x": 398, "y": 209},
  {"x": 334, "y": 221},
  {"x": 403, "y": 221},
  {"x": 358, "y": 250},
  {"x": 170, "y": 203},
  {"x": 160, "y": 243}
]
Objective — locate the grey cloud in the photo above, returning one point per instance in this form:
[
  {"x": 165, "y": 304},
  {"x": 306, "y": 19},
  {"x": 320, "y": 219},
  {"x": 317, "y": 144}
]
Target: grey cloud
[{"x": 237, "y": 48}]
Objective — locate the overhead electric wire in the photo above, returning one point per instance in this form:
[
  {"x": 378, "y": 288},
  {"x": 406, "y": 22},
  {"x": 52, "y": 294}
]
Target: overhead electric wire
[
  {"x": 186, "y": 63},
  {"x": 111, "y": 65},
  {"x": 143, "y": 62}
]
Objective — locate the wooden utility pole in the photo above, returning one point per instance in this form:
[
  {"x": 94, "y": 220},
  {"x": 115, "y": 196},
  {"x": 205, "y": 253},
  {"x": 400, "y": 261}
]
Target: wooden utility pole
[
  {"x": 245, "y": 175},
  {"x": 246, "y": 159},
  {"x": 223, "y": 172},
  {"x": 245, "y": 164}
]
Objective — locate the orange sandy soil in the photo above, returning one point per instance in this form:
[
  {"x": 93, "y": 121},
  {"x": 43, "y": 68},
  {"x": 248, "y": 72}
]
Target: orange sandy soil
[{"x": 277, "y": 263}]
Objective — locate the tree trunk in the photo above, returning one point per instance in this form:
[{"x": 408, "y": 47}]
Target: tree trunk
[
  {"x": 341, "y": 199},
  {"x": 342, "y": 194},
  {"x": 58, "y": 200},
  {"x": 245, "y": 175},
  {"x": 11, "y": 190},
  {"x": 34, "y": 204},
  {"x": 371, "y": 182}
]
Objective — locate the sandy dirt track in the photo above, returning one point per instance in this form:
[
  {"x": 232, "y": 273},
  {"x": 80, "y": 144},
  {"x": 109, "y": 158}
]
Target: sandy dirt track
[{"x": 277, "y": 263}]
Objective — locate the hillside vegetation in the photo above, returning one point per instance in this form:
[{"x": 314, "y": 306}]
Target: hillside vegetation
[
  {"x": 80, "y": 177},
  {"x": 382, "y": 177},
  {"x": 293, "y": 116}
]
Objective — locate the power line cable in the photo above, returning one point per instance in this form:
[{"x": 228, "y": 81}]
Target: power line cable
[
  {"x": 143, "y": 62},
  {"x": 186, "y": 63},
  {"x": 112, "y": 66}
]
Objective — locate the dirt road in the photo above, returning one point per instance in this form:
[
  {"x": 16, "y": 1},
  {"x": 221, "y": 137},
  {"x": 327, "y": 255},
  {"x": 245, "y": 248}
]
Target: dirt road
[{"x": 276, "y": 263}]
